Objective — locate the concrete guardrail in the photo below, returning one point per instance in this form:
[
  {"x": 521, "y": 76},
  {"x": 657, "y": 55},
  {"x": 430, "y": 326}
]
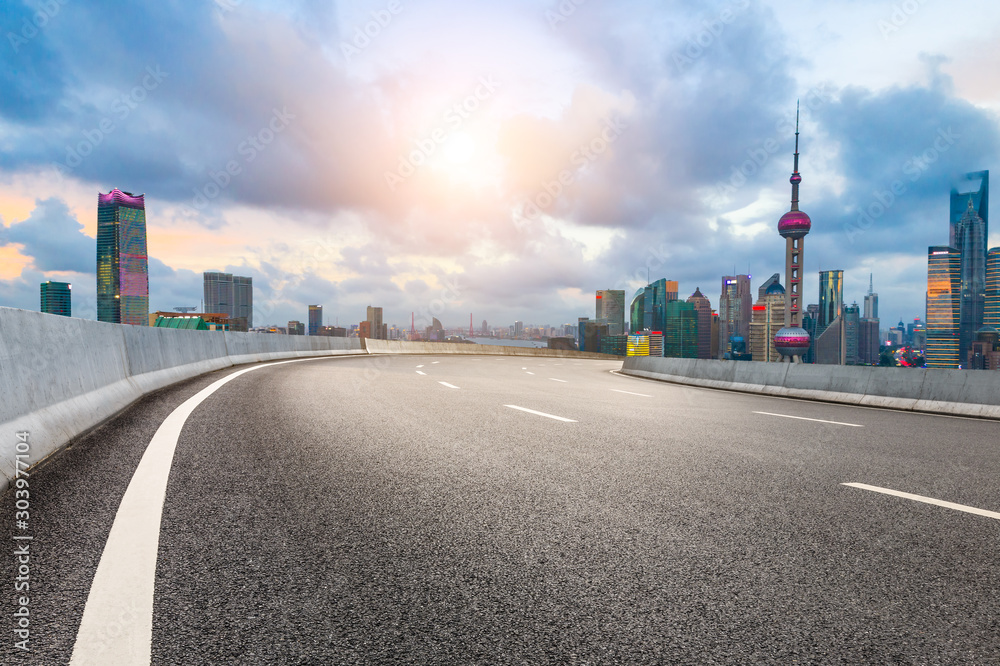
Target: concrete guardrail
[
  {"x": 406, "y": 347},
  {"x": 954, "y": 392},
  {"x": 61, "y": 376}
]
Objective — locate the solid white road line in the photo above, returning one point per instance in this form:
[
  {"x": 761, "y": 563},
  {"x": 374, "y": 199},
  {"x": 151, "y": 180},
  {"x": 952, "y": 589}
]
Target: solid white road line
[
  {"x": 802, "y": 418},
  {"x": 421, "y": 372},
  {"x": 927, "y": 500},
  {"x": 630, "y": 393},
  {"x": 117, "y": 623},
  {"x": 447, "y": 384},
  {"x": 549, "y": 416},
  {"x": 558, "y": 380}
]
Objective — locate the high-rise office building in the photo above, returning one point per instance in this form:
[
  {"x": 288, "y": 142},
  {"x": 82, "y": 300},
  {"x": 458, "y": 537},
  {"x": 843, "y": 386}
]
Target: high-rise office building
[
  {"x": 655, "y": 298},
  {"x": 680, "y": 331},
  {"x": 56, "y": 298},
  {"x": 852, "y": 334},
  {"x": 735, "y": 310},
  {"x": 970, "y": 242},
  {"x": 871, "y": 300},
  {"x": 974, "y": 185},
  {"x": 944, "y": 283},
  {"x": 767, "y": 319},
  {"x": 704, "y": 309},
  {"x": 793, "y": 341},
  {"x": 830, "y": 345},
  {"x": 991, "y": 310},
  {"x": 637, "y": 309},
  {"x": 122, "y": 262},
  {"x": 376, "y": 328},
  {"x": 610, "y": 306},
  {"x": 231, "y": 295},
  {"x": 315, "y": 319},
  {"x": 296, "y": 328}
]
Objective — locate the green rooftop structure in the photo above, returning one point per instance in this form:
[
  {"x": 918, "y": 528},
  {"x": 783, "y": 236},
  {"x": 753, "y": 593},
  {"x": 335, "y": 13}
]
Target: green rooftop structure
[{"x": 186, "y": 323}]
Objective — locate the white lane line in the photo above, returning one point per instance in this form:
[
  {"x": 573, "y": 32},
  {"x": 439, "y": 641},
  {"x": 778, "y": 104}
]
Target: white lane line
[
  {"x": 549, "y": 416},
  {"x": 524, "y": 368},
  {"x": 421, "y": 372},
  {"x": 447, "y": 384},
  {"x": 420, "y": 366},
  {"x": 530, "y": 373},
  {"x": 558, "y": 380},
  {"x": 926, "y": 500},
  {"x": 435, "y": 362},
  {"x": 630, "y": 393},
  {"x": 121, "y": 596},
  {"x": 803, "y": 418}
]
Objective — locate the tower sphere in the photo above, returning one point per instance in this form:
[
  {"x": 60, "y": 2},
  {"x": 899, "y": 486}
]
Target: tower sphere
[
  {"x": 794, "y": 224},
  {"x": 792, "y": 341}
]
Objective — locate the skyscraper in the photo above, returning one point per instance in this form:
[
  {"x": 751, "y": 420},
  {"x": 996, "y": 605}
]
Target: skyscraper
[
  {"x": 768, "y": 319},
  {"x": 970, "y": 242},
  {"x": 680, "y": 331},
  {"x": 852, "y": 334},
  {"x": 735, "y": 310},
  {"x": 56, "y": 298},
  {"x": 375, "y": 326},
  {"x": 762, "y": 289},
  {"x": 977, "y": 186},
  {"x": 315, "y": 319},
  {"x": 991, "y": 311},
  {"x": 655, "y": 298},
  {"x": 871, "y": 300},
  {"x": 610, "y": 306},
  {"x": 944, "y": 283},
  {"x": 830, "y": 343},
  {"x": 704, "y": 309},
  {"x": 231, "y": 295},
  {"x": 793, "y": 341},
  {"x": 122, "y": 263}
]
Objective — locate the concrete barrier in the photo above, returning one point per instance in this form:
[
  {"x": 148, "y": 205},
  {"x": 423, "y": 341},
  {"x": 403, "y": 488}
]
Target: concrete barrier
[
  {"x": 955, "y": 392},
  {"x": 406, "y": 347},
  {"x": 61, "y": 376}
]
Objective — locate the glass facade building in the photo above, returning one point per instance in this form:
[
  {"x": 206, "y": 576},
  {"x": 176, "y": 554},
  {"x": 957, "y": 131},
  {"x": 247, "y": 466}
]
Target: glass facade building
[
  {"x": 315, "y": 319},
  {"x": 971, "y": 244},
  {"x": 122, "y": 262},
  {"x": 735, "y": 311},
  {"x": 680, "y": 334},
  {"x": 56, "y": 298},
  {"x": 610, "y": 309},
  {"x": 704, "y": 309},
  {"x": 231, "y": 295},
  {"x": 991, "y": 310},
  {"x": 943, "y": 300},
  {"x": 975, "y": 185}
]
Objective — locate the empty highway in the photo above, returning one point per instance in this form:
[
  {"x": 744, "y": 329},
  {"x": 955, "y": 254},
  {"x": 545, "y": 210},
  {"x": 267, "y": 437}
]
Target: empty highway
[{"x": 508, "y": 510}]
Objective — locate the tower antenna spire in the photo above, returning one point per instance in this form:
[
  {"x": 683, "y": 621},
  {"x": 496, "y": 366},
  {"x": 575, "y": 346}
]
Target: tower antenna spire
[{"x": 796, "y": 178}]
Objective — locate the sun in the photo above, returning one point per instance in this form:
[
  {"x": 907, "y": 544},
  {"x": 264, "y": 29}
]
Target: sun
[{"x": 459, "y": 149}]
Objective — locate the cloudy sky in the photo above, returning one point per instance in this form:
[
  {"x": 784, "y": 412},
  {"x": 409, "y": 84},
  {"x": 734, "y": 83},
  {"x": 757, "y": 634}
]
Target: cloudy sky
[{"x": 500, "y": 159}]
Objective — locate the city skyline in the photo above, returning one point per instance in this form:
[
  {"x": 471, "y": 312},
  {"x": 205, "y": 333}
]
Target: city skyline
[{"x": 679, "y": 189}]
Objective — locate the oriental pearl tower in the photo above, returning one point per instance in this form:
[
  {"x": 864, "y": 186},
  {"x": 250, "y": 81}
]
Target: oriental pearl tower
[{"x": 792, "y": 341}]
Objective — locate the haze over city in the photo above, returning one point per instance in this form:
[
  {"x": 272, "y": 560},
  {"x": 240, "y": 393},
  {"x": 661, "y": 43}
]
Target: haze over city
[{"x": 500, "y": 160}]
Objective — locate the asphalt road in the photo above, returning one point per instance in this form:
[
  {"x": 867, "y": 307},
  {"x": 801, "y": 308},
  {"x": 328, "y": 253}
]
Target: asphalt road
[{"x": 354, "y": 510}]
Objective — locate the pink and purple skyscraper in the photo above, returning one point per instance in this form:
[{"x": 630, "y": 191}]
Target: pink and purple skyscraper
[{"x": 792, "y": 341}]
